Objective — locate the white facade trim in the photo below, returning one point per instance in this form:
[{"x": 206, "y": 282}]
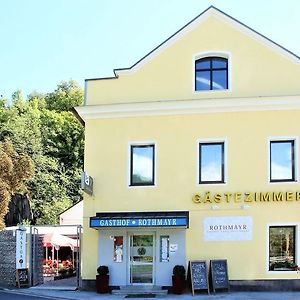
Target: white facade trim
[{"x": 195, "y": 106}]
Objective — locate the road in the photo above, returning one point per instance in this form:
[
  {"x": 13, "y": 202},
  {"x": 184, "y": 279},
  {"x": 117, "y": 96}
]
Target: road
[{"x": 12, "y": 296}]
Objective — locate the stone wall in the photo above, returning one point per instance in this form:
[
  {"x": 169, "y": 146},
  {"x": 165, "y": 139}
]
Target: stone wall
[
  {"x": 7, "y": 258},
  {"x": 37, "y": 277}
]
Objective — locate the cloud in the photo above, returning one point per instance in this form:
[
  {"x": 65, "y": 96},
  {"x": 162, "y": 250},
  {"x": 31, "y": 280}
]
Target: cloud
[
  {"x": 211, "y": 172},
  {"x": 142, "y": 166},
  {"x": 281, "y": 172}
]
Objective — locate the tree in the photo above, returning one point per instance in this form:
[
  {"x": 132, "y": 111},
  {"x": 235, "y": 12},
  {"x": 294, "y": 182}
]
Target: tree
[
  {"x": 62, "y": 138},
  {"x": 15, "y": 169},
  {"x": 65, "y": 97},
  {"x": 43, "y": 128}
]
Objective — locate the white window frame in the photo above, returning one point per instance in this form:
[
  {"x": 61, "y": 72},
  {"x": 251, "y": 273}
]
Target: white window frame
[
  {"x": 282, "y": 139},
  {"x": 216, "y": 140},
  {"x": 141, "y": 143},
  {"x": 297, "y": 256},
  {"x": 218, "y": 53}
]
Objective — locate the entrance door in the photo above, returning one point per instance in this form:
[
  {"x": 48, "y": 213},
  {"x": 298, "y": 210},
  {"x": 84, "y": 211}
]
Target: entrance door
[{"x": 141, "y": 258}]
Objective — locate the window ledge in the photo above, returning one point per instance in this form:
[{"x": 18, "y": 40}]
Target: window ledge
[
  {"x": 212, "y": 184},
  {"x": 211, "y": 91},
  {"x": 284, "y": 182},
  {"x": 142, "y": 186}
]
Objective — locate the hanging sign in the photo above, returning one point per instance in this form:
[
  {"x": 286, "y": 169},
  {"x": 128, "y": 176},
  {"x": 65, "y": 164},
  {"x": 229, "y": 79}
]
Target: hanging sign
[
  {"x": 20, "y": 249},
  {"x": 87, "y": 183}
]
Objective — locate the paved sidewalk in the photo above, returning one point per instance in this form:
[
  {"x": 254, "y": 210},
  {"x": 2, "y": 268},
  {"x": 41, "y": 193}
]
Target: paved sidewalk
[{"x": 77, "y": 295}]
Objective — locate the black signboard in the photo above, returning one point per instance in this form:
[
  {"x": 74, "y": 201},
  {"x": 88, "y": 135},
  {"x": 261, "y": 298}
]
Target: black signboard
[
  {"x": 22, "y": 278},
  {"x": 198, "y": 275},
  {"x": 219, "y": 274}
]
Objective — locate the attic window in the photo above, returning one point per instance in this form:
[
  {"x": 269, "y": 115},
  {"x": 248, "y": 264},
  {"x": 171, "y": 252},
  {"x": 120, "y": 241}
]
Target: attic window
[{"x": 211, "y": 73}]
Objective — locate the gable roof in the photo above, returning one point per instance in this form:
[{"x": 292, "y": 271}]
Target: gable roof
[{"x": 192, "y": 24}]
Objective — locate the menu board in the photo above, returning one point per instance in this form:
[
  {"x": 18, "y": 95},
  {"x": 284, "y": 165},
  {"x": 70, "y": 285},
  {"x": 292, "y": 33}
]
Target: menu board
[
  {"x": 219, "y": 274},
  {"x": 198, "y": 275},
  {"x": 22, "y": 278}
]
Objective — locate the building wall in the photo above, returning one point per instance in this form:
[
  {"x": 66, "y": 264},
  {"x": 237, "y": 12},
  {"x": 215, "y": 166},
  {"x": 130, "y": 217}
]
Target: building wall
[
  {"x": 119, "y": 272},
  {"x": 72, "y": 216},
  {"x": 257, "y": 68},
  {"x": 169, "y": 75},
  {"x": 176, "y": 139}
]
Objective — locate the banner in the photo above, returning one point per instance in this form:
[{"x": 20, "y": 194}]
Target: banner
[
  {"x": 21, "y": 249},
  {"x": 227, "y": 228}
]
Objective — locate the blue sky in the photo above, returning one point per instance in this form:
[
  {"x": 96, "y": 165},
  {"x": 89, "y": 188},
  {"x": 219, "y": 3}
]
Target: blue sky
[{"x": 46, "y": 41}]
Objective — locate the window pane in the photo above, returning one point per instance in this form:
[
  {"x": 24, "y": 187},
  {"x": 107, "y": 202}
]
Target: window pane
[
  {"x": 202, "y": 81},
  {"x": 282, "y": 248},
  {"x": 142, "y": 165},
  {"x": 203, "y": 64},
  {"x": 219, "y": 80},
  {"x": 282, "y": 160},
  {"x": 219, "y": 63},
  {"x": 211, "y": 166}
]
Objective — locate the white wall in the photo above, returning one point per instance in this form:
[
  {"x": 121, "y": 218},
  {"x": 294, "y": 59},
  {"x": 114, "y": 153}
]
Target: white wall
[
  {"x": 119, "y": 272},
  {"x": 72, "y": 216}
]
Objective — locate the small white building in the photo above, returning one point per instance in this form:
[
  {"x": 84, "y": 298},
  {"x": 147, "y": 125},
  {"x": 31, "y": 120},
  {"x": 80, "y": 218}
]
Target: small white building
[{"x": 73, "y": 215}]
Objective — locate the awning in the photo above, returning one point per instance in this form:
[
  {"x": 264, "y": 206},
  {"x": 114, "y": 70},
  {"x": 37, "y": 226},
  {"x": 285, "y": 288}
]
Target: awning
[
  {"x": 59, "y": 240},
  {"x": 171, "y": 219}
]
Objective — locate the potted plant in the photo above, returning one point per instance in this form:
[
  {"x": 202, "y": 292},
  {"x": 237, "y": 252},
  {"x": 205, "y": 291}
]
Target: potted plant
[
  {"x": 178, "y": 279},
  {"x": 102, "y": 280}
]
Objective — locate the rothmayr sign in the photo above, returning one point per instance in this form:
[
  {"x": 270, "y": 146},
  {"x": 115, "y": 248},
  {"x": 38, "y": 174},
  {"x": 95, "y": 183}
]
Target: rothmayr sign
[{"x": 139, "y": 222}]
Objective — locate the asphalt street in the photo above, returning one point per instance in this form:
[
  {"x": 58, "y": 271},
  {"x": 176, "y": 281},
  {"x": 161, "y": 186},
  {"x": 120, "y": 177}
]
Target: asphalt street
[
  {"x": 11, "y": 296},
  {"x": 28, "y": 294}
]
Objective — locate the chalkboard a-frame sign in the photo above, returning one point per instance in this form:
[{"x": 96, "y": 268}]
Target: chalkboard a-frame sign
[
  {"x": 198, "y": 275},
  {"x": 22, "y": 278},
  {"x": 219, "y": 274}
]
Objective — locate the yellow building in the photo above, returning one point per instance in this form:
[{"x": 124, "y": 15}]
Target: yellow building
[{"x": 194, "y": 152}]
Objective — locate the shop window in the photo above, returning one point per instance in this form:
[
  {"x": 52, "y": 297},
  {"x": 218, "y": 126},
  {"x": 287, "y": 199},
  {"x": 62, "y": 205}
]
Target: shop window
[
  {"x": 142, "y": 165},
  {"x": 211, "y": 163},
  {"x": 118, "y": 249},
  {"x": 211, "y": 73},
  {"x": 282, "y": 248},
  {"x": 282, "y": 161}
]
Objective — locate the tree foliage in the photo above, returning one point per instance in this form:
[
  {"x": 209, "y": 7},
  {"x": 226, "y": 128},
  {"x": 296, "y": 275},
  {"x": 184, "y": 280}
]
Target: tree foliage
[
  {"x": 43, "y": 128},
  {"x": 65, "y": 97},
  {"x": 15, "y": 169}
]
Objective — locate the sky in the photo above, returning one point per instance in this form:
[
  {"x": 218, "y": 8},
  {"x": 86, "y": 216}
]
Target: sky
[{"x": 46, "y": 41}]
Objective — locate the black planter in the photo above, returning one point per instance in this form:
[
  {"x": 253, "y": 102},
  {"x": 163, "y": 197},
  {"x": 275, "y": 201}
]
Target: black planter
[
  {"x": 102, "y": 286},
  {"x": 178, "y": 284}
]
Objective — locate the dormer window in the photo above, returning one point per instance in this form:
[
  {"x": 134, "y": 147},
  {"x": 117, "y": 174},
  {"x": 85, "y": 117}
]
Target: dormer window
[{"x": 211, "y": 73}]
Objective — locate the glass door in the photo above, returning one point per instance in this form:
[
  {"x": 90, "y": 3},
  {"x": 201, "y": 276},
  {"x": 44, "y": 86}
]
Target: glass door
[{"x": 141, "y": 258}]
